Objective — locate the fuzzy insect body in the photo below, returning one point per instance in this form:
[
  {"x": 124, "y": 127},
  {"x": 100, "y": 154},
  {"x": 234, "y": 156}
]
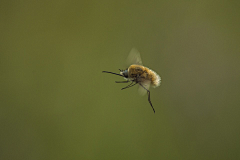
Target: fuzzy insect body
[{"x": 142, "y": 74}]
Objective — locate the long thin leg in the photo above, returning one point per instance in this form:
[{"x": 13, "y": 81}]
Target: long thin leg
[
  {"x": 148, "y": 97},
  {"x": 122, "y": 81},
  {"x": 130, "y": 85},
  {"x": 127, "y": 86}
]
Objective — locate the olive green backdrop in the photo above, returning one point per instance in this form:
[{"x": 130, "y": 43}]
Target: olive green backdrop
[{"x": 56, "y": 103}]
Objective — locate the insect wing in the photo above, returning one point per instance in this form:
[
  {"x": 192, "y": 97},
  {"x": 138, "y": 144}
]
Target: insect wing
[
  {"x": 134, "y": 57},
  {"x": 146, "y": 84}
]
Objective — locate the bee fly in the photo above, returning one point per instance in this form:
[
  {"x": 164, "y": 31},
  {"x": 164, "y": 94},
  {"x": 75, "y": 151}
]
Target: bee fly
[{"x": 138, "y": 74}]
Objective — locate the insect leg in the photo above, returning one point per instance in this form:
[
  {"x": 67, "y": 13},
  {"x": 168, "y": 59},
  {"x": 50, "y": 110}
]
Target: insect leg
[
  {"x": 129, "y": 85},
  {"x": 148, "y": 97}
]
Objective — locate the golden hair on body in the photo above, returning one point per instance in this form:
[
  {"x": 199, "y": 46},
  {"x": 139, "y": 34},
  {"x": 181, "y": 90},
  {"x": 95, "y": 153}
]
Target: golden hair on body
[
  {"x": 138, "y": 74},
  {"x": 145, "y": 74}
]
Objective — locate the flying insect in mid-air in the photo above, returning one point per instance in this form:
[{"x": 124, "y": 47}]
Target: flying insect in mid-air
[{"x": 138, "y": 74}]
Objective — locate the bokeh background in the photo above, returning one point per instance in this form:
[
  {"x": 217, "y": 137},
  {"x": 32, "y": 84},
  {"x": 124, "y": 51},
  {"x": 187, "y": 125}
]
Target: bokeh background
[{"x": 56, "y": 103}]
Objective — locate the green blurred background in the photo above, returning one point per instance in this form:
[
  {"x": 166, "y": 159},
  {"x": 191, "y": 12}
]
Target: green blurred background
[{"x": 56, "y": 104}]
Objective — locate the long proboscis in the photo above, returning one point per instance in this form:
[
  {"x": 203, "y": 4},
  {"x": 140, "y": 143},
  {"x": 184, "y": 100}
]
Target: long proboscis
[{"x": 113, "y": 73}]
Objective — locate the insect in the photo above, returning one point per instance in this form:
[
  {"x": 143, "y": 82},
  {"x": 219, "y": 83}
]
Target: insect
[{"x": 136, "y": 73}]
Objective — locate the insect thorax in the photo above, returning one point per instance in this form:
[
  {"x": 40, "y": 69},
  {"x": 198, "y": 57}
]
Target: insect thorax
[{"x": 135, "y": 70}]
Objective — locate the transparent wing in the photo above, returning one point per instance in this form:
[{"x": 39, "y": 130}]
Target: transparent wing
[
  {"x": 134, "y": 57},
  {"x": 146, "y": 84}
]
